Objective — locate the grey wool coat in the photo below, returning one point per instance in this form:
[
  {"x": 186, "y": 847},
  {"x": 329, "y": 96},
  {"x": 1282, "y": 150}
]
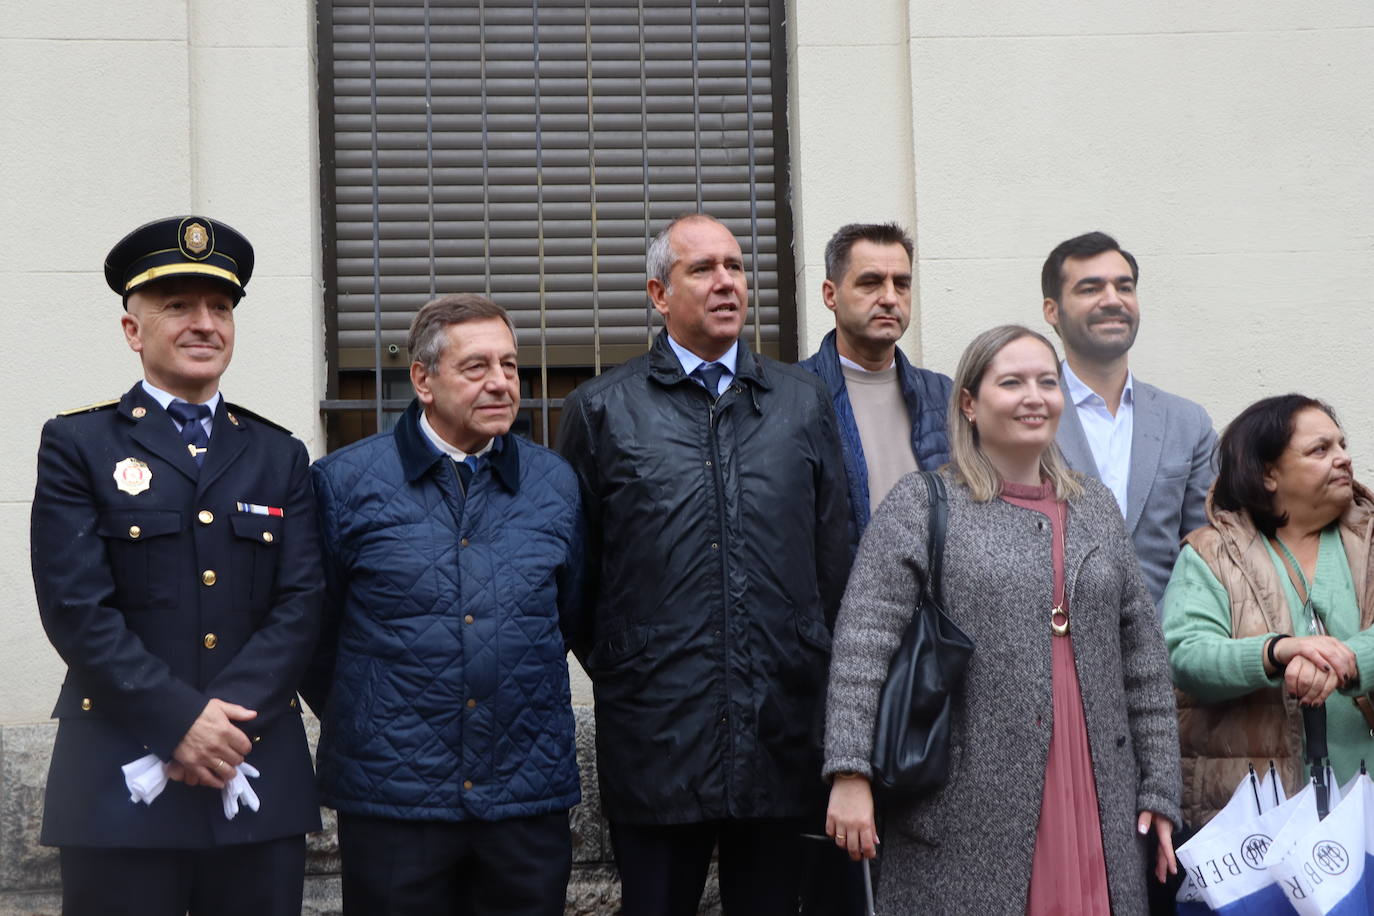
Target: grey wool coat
[{"x": 967, "y": 847}]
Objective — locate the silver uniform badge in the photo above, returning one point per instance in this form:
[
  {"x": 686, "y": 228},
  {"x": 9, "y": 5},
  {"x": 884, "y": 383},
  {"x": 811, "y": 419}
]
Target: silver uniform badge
[{"x": 132, "y": 476}]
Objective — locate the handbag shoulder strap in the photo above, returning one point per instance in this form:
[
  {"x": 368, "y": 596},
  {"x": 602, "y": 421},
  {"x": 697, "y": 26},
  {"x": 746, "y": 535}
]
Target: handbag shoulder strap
[{"x": 935, "y": 537}]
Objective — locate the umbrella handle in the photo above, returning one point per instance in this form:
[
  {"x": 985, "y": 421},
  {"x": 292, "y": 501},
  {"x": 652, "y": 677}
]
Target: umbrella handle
[{"x": 1314, "y": 732}]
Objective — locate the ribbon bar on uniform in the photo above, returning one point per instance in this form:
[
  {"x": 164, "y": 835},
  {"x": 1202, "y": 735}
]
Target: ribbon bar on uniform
[{"x": 255, "y": 509}]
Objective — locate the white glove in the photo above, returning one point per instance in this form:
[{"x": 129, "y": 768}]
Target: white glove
[
  {"x": 145, "y": 778},
  {"x": 237, "y": 790}
]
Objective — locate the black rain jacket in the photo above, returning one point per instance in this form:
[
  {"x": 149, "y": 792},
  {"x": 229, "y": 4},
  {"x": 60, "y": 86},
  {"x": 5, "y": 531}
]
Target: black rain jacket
[{"x": 717, "y": 553}]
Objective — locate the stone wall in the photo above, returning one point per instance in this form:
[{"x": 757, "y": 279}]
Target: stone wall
[{"x": 29, "y": 875}]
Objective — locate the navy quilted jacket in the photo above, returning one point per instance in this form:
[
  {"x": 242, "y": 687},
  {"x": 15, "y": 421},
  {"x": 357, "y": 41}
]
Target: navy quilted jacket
[
  {"x": 442, "y": 677},
  {"x": 927, "y": 401}
]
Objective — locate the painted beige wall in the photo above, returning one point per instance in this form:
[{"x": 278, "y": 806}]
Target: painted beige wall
[
  {"x": 116, "y": 113},
  {"x": 1228, "y": 145}
]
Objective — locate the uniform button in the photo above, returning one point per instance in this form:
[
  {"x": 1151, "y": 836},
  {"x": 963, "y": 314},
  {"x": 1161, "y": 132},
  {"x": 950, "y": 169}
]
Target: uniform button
[
  {"x": 257, "y": 738},
  {"x": 467, "y": 618},
  {"x": 292, "y": 704},
  {"x": 708, "y": 462},
  {"x": 85, "y": 704},
  {"x": 715, "y": 546},
  {"x": 205, "y": 516},
  {"x": 267, "y": 537},
  {"x": 467, "y": 783},
  {"x": 464, "y": 542},
  {"x": 135, "y": 531},
  {"x": 472, "y": 704},
  {"x": 211, "y": 640},
  {"x": 208, "y": 577}
]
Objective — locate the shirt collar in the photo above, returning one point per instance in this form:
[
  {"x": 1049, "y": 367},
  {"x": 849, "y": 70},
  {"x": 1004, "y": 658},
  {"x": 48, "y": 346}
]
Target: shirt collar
[
  {"x": 164, "y": 398},
  {"x": 1079, "y": 392},
  {"x": 846, "y": 361},
  {"x": 443, "y": 445},
  {"x": 690, "y": 360}
]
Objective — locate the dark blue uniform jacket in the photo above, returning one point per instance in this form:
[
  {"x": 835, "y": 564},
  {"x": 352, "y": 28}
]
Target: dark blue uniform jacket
[{"x": 161, "y": 599}]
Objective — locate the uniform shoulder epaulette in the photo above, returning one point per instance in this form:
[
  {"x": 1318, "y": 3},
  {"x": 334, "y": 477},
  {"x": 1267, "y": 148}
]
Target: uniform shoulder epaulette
[
  {"x": 241, "y": 411},
  {"x": 98, "y": 405}
]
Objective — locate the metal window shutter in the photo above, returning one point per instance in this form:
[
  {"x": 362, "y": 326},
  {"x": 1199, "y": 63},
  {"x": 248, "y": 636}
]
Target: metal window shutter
[{"x": 514, "y": 180}]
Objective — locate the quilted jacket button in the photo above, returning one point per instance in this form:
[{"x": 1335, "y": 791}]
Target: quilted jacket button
[
  {"x": 86, "y": 704},
  {"x": 467, "y": 784},
  {"x": 472, "y": 704},
  {"x": 464, "y": 542},
  {"x": 467, "y": 618}
]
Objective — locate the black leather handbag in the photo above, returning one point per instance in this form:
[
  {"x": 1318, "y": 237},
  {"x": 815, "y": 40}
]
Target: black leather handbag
[{"x": 912, "y": 732}]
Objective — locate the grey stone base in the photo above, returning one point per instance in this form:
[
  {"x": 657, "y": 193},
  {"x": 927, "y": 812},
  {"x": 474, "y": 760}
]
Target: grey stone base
[{"x": 29, "y": 874}]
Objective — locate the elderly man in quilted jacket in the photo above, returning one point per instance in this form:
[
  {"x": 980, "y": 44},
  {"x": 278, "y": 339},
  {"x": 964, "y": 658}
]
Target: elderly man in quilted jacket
[{"x": 453, "y": 564}]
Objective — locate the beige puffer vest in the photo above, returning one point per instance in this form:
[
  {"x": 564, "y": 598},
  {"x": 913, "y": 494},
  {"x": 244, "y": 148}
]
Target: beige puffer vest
[{"x": 1219, "y": 741}]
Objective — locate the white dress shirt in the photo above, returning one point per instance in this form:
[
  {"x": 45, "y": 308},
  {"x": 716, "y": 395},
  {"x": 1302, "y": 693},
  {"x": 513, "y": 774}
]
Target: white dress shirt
[
  {"x": 445, "y": 447},
  {"x": 1108, "y": 436}
]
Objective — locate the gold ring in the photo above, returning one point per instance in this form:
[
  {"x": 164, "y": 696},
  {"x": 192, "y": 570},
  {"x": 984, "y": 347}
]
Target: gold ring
[
  {"x": 218, "y": 763},
  {"x": 839, "y": 836}
]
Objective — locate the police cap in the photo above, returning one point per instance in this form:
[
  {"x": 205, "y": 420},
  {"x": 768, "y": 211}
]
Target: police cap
[{"x": 179, "y": 246}]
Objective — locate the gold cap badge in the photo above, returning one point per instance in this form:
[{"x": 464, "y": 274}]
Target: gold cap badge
[
  {"x": 197, "y": 238},
  {"x": 132, "y": 476}
]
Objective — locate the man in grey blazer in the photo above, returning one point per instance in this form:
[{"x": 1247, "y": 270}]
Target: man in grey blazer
[{"x": 1153, "y": 450}]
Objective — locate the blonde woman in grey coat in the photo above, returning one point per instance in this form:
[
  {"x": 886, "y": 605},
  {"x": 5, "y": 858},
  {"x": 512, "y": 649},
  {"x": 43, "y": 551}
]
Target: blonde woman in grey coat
[{"x": 1064, "y": 753}]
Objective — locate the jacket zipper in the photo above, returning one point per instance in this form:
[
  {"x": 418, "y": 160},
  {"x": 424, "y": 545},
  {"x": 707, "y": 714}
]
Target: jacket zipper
[{"x": 719, "y": 478}]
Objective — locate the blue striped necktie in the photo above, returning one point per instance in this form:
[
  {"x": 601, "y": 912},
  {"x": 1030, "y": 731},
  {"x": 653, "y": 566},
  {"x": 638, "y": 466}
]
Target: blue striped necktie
[{"x": 192, "y": 420}]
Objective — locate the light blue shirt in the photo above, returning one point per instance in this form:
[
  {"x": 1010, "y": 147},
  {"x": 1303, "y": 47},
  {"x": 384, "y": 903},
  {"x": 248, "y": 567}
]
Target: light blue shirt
[
  {"x": 1108, "y": 436},
  {"x": 164, "y": 398},
  {"x": 690, "y": 361}
]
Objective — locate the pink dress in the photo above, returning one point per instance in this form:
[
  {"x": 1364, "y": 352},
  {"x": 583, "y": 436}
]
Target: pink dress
[{"x": 1069, "y": 870}]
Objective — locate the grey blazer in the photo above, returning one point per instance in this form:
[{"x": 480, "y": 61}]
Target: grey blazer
[{"x": 1172, "y": 467}]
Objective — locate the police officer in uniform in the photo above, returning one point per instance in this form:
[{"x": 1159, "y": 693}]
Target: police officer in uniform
[{"x": 176, "y": 563}]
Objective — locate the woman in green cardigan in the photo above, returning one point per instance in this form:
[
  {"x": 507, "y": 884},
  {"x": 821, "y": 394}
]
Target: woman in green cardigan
[{"x": 1270, "y": 605}]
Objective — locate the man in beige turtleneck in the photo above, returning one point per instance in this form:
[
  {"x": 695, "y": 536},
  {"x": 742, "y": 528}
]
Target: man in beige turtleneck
[
  {"x": 891, "y": 417},
  {"x": 891, "y": 414}
]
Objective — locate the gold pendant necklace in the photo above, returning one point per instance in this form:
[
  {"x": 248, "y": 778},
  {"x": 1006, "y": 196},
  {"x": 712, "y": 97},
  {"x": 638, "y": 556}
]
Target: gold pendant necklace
[{"x": 1059, "y": 617}]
